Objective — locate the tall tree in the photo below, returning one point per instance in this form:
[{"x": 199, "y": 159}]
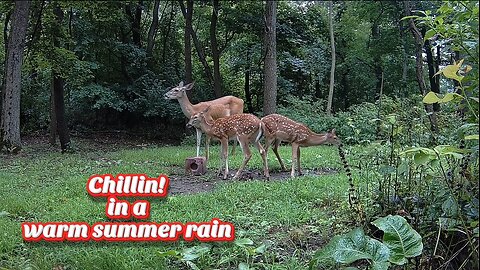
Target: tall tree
[
  {"x": 10, "y": 118},
  {"x": 270, "y": 64},
  {"x": 187, "y": 40},
  {"x": 217, "y": 78},
  {"x": 419, "y": 65},
  {"x": 58, "y": 87},
  {"x": 332, "y": 70},
  {"x": 136, "y": 22},
  {"x": 153, "y": 29},
  {"x": 198, "y": 46},
  {"x": 432, "y": 70}
]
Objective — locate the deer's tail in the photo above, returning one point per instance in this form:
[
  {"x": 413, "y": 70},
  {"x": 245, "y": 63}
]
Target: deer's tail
[{"x": 261, "y": 131}]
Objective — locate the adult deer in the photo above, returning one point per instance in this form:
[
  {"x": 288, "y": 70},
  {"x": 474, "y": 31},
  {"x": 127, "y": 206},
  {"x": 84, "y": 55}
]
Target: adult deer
[
  {"x": 243, "y": 127},
  {"x": 279, "y": 128},
  {"x": 220, "y": 107}
]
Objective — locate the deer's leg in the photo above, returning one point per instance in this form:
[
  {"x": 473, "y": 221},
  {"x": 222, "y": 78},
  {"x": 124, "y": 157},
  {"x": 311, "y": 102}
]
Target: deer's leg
[
  {"x": 199, "y": 140},
  {"x": 298, "y": 161},
  {"x": 267, "y": 144},
  {"x": 233, "y": 147},
  {"x": 263, "y": 153},
  {"x": 294, "y": 158},
  {"x": 275, "y": 150},
  {"x": 207, "y": 145},
  {"x": 224, "y": 146},
  {"x": 243, "y": 141}
]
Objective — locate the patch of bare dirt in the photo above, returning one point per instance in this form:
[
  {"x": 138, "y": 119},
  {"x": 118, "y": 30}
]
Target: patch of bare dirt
[{"x": 189, "y": 184}]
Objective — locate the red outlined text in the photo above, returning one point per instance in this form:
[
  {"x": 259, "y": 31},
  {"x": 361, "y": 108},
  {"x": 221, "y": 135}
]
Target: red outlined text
[
  {"x": 215, "y": 230},
  {"x": 128, "y": 185}
]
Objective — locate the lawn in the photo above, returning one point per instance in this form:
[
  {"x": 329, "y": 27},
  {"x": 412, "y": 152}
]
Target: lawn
[{"x": 278, "y": 223}]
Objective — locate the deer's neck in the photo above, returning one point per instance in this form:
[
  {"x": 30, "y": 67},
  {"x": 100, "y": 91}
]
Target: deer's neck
[
  {"x": 315, "y": 139},
  {"x": 206, "y": 125},
  {"x": 187, "y": 107}
]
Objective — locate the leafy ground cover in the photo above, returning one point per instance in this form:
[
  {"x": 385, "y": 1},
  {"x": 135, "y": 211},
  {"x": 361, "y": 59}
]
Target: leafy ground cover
[{"x": 279, "y": 223}]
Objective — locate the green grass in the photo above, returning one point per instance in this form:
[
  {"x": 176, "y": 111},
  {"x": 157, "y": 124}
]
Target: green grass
[{"x": 296, "y": 216}]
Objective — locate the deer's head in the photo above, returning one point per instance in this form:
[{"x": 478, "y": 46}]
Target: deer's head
[
  {"x": 178, "y": 91},
  {"x": 332, "y": 137},
  {"x": 197, "y": 118}
]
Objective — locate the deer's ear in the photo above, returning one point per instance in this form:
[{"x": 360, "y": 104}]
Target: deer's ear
[
  {"x": 180, "y": 84},
  {"x": 333, "y": 131},
  {"x": 189, "y": 86}
]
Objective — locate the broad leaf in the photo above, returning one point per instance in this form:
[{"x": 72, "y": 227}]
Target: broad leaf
[
  {"x": 404, "y": 242},
  {"x": 243, "y": 242},
  {"x": 431, "y": 98},
  {"x": 450, "y": 71},
  {"x": 429, "y": 34},
  {"x": 472, "y": 137},
  {"x": 243, "y": 266},
  {"x": 450, "y": 96},
  {"x": 192, "y": 253},
  {"x": 448, "y": 150},
  {"x": 421, "y": 158},
  {"x": 353, "y": 246}
]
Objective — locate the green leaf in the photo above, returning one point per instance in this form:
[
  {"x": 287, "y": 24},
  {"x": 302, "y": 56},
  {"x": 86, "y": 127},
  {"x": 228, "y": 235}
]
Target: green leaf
[
  {"x": 192, "y": 265},
  {"x": 353, "y": 246},
  {"x": 421, "y": 158},
  {"x": 475, "y": 98},
  {"x": 429, "y": 34},
  {"x": 449, "y": 150},
  {"x": 472, "y": 137},
  {"x": 402, "y": 240},
  {"x": 243, "y": 266},
  {"x": 172, "y": 253},
  {"x": 450, "y": 207},
  {"x": 263, "y": 247},
  {"x": 380, "y": 265},
  {"x": 431, "y": 98},
  {"x": 450, "y": 72},
  {"x": 410, "y": 17},
  {"x": 192, "y": 253},
  {"x": 243, "y": 242},
  {"x": 450, "y": 96}
]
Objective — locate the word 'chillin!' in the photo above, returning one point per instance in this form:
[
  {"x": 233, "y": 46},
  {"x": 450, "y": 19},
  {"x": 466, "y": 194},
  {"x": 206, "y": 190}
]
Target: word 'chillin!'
[{"x": 127, "y": 185}]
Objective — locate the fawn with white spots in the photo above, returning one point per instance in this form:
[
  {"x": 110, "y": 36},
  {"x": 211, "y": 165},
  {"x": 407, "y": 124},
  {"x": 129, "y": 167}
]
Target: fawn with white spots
[
  {"x": 220, "y": 107},
  {"x": 245, "y": 128},
  {"x": 279, "y": 128}
]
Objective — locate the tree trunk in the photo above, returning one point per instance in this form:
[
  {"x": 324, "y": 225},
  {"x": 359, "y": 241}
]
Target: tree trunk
[
  {"x": 332, "y": 70},
  {"x": 404, "y": 57},
  {"x": 135, "y": 20},
  {"x": 198, "y": 48},
  {"x": 419, "y": 66},
  {"x": 188, "y": 43},
  {"x": 377, "y": 60},
  {"x": 10, "y": 118},
  {"x": 58, "y": 90},
  {"x": 53, "y": 118},
  {"x": 431, "y": 73},
  {"x": 153, "y": 29},
  {"x": 270, "y": 64},
  {"x": 217, "y": 78},
  {"x": 166, "y": 33},
  {"x": 58, "y": 99},
  {"x": 2, "y": 87}
]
